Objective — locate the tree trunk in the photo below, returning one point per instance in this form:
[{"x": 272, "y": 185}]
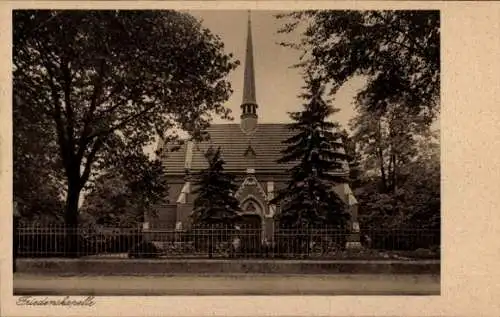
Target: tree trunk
[{"x": 71, "y": 221}]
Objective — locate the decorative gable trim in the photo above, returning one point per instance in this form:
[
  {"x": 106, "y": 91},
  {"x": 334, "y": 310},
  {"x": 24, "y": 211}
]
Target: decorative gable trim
[
  {"x": 251, "y": 181},
  {"x": 260, "y": 210}
]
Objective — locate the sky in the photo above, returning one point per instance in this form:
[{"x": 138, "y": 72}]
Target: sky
[{"x": 277, "y": 83}]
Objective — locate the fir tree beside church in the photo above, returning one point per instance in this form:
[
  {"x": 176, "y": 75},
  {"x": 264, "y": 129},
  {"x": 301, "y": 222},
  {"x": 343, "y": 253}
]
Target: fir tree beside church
[
  {"x": 215, "y": 202},
  {"x": 309, "y": 198}
]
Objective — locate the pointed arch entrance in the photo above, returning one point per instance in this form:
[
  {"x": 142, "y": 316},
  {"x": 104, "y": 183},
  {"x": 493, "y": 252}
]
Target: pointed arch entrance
[
  {"x": 251, "y": 223},
  {"x": 253, "y": 204},
  {"x": 252, "y": 211}
]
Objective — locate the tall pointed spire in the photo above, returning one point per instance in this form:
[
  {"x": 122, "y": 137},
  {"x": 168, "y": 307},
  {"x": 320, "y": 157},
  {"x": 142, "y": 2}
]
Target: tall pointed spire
[
  {"x": 249, "y": 79},
  {"x": 249, "y": 103}
]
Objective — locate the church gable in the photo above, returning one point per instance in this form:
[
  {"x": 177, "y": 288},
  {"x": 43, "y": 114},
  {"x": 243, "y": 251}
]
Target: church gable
[{"x": 251, "y": 188}]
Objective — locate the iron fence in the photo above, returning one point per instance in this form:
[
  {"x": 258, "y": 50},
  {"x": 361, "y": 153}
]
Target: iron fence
[{"x": 213, "y": 241}]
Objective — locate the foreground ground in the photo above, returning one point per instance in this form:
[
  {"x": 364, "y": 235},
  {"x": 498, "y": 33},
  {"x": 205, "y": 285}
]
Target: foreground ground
[{"x": 234, "y": 284}]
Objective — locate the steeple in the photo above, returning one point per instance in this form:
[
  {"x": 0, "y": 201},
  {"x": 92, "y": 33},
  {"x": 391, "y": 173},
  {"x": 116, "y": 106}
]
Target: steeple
[{"x": 249, "y": 104}]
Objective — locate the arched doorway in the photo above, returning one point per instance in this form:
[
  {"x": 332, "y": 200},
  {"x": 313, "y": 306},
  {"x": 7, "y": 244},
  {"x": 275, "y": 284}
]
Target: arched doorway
[{"x": 250, "y": 223}]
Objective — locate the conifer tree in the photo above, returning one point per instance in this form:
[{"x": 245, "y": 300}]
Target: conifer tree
[
  {"x": 309, "y": 198},
  {"x": 215, "y": 203}
]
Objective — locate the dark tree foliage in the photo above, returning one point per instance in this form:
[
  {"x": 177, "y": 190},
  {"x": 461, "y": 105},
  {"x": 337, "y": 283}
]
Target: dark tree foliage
[
  {"x": 214, "y": 189},
  {"x": 107, "y": 83},
  {"x": 125, "y": 194},
  {"x": 388, "y": 142},
  {"x": 415, "y": 203},
  {"x": 38, "y": 175},
  {"x": 398, "y": 51},
  {"x": 309, "y": 198}
]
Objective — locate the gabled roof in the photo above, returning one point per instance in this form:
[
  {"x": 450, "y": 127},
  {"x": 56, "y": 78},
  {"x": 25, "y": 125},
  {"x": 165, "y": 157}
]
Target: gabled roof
[{"x": 265, "y": 141}]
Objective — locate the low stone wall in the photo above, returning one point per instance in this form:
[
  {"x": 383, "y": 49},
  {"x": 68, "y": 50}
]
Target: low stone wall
[{"x": 194, "y": 266}]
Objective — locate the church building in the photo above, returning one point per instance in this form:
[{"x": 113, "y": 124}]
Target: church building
[{"x": 250, "y": 150}]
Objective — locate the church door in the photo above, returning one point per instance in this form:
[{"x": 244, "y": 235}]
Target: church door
[
  {"x": 251, "y": 229},
  {"x": 251, "y": 233}
]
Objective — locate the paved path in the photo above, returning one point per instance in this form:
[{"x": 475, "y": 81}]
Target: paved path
[{"x": 242, "y": 284}]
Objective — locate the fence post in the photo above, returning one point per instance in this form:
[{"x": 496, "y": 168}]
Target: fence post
[{"x": 353, "y": 236}]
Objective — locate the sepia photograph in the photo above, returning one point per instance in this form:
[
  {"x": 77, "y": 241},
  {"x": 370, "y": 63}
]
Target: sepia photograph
[{"x": 226, "y": 152}]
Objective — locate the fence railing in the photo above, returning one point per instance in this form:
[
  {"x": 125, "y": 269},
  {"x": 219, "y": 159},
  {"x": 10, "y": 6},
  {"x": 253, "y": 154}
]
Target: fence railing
[{"x": 217, "y": 242}]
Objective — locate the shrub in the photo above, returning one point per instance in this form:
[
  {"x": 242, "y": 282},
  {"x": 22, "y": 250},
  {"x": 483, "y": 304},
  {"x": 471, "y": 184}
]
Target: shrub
[{"x": 144, "y": 249}]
